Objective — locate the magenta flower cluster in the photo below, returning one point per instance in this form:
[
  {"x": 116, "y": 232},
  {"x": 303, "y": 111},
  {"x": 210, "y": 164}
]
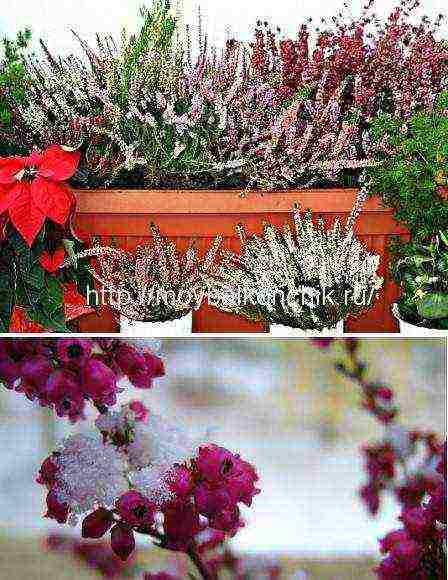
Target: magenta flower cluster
[
  {"x": 206, "y": 494},
  {"x": 63, "y": 374},
  {"x": 396, "y": 58},
  {"x": 384, "y": 463},
  {"x": 416, "y": 551}
]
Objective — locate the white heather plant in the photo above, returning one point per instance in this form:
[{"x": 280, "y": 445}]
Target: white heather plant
[
  {"x": 155, "y": 283},
  {"x": 309, "y": 279}
]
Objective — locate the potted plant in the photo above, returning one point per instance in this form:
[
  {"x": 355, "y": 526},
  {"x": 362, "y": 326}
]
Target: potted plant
[
  {"x": 152, "y": 290},
  {"x": 422, "y": 271},
  {"x": 300, "y": 283},
  {"x": 166, "y": 135},
  {"x": 412, "y": 179}
]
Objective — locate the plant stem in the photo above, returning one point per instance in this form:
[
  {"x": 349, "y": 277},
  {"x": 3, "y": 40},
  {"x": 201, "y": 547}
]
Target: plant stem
[{"x": 201, "y": 566}]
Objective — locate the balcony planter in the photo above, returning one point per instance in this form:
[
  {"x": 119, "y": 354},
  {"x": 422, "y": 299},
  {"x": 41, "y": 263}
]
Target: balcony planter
[{"x": 122, "y": 217}]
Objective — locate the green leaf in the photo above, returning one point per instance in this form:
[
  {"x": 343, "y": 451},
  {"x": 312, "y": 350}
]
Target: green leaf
[
  {"x": 433, "y": 306},
  {"x": 7, "y": 299}
]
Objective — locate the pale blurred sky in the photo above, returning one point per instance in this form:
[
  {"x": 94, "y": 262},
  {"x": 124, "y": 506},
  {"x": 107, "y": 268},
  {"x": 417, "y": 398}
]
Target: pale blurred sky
[{"x": 53, "y": 19}]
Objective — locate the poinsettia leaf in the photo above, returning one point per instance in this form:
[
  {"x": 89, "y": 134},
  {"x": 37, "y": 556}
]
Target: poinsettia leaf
[
  {"x": 48, "y": 310},
  {"x": 59, "y": 164},
  {"x": 53, "y": 301},
  {"x": 36, "y": 276},
  {"x": 39, "y": 292}
]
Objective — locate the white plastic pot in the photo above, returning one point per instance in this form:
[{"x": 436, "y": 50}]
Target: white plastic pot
[
  {"x": 174, "y": 328},
  {"x": 408, "y": 329},
  {"x": 286, "y": 331}
]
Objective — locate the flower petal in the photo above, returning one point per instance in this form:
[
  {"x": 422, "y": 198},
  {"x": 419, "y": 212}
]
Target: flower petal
[
  {"x": 55, "y": 200},
  {"x": 58, "y": 164},
  {"x": 52, "y": 262},
  {"x": 7, "y": 196},
  {"x": 9, "y": 168},
  {"x": 22, "y": 324},
  {"x": 26, "y": 217},
  {"x": 122, "y": 541}
]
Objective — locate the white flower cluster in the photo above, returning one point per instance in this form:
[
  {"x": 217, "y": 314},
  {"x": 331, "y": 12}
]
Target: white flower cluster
[
  {"x": 156, "y": 282},
  {"x": 94, "y": 472},
  {"x": 159, "y": 444}
]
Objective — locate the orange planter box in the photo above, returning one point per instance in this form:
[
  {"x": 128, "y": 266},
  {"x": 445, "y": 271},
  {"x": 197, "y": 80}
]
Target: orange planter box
[{"x": 124, "y": 215}]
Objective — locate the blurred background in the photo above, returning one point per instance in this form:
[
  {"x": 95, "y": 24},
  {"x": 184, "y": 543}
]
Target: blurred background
[{"x": 281, "y": 405}]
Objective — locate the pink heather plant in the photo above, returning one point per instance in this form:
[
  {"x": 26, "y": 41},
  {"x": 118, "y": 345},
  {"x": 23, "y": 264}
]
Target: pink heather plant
[
  {"x": 404, "y": 461},
  {"x": 411, "y": 465},
  {"x": 137, "y": 474},
  {"x": 281, "y": 112},
  {"x": 394, "y": 60},
  {"x": 64, "y": 374},
  {"x": 418, "y": 550}
]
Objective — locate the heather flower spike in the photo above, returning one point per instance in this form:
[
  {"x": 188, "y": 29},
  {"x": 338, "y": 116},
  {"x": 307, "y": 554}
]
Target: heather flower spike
[
  {"x": 403, "y": 462},
  {"x": 277, "y": 112},
  {"x": 156, "y": 282}
]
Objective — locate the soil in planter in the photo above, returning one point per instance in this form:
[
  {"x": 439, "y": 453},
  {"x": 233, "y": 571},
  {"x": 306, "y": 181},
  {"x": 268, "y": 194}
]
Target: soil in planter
[{"x": 137, "y": 180}]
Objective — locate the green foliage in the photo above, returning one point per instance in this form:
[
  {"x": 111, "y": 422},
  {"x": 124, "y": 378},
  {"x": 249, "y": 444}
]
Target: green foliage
[
  {"x": 36, "y": 290},
  {"x": 24, "y": 282},
  {"x": 13, "y": 83},
  {"x": 422, "y": 271},
  {"x": 410, "y": 178},
  {"x": 156, "y": 35},
  {"x": 13, "y": 73}
]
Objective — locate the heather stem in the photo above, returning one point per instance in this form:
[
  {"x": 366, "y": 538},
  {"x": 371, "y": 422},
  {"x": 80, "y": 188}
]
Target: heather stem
[{"x": 201, "y": 566}]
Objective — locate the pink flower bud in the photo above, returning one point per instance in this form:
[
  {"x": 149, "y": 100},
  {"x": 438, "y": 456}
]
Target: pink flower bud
[
  {"x": 96, "y": 524},
  {"x": 129, "y": 359},
  {"x": 47, "y": 472},
  {"x": 99, "y": 382},
  {"x": 56, "y": 510},
  {"x": 74, "y": 351},
  {"x": 418, "y": 523}
]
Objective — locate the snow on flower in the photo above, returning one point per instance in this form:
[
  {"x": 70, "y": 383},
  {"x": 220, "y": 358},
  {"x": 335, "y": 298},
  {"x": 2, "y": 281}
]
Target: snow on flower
[
  {"x": 89, "y": 473},
  {"x": 140, "y": 473}
]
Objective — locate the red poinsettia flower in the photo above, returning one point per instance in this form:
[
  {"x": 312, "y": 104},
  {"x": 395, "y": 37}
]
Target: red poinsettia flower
[
  {"x": 32, "y": 189},
  {"x": 52, "y": 262}
]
